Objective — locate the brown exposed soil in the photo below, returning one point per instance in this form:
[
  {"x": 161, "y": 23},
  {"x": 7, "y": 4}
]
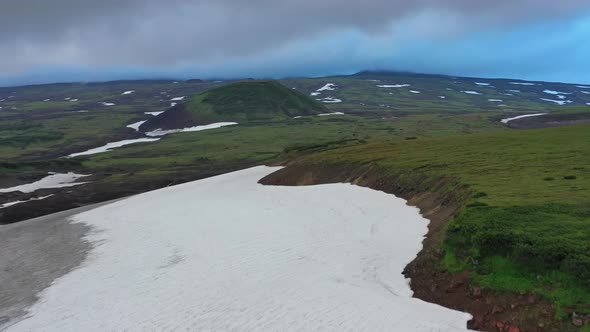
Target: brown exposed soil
[{"x": 430, "y": 281}]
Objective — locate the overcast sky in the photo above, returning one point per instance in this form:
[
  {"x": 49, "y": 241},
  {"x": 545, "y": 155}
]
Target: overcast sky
[{"x": 85, "y": 40}]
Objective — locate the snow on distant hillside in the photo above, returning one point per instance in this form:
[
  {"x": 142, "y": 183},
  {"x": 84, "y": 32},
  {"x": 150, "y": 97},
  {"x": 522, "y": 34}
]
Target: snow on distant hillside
[
  {"x": 558, "y": 102},
  {"x": 112, "y": 145},
  {"x": 327, "y": 87},
  {"x": 53, "y": 180},
  {"x": 521, "y": 117},
  {"x": 160, "y": 132},
  {"x": 393, "y": 85}
]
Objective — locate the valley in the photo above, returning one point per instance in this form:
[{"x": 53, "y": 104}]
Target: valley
[{"x": 499, "y": 166}]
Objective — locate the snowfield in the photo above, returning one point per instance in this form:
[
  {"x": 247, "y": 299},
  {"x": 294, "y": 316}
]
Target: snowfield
[
  {"x": 135, "y": 126},
  {"x": 5, "y": 205},
  {"x": 327, "y": 87},
  {"x": 160, "y": 132},
  {"x": 471, "y": 92},
  {"x": 54, "y": 180},
  {"x": 154, "y": 113},
  {"x": 521, "y": 116},
  {"x": 330, "y": 100},
  {"x": 522, "y": 83},
  {"x": 393, "y": 86},
  {"x": 226, "y": 253},
  {"x": 558, "y": 102},
  {"x": 112, "y": 145},
  {"x": 553, "y": 92},
  {"x": 328, "y": 114}
]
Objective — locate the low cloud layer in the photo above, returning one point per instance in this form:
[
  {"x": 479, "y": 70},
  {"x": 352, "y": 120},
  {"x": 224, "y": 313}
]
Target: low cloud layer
[{"x": 208, "y": 34}]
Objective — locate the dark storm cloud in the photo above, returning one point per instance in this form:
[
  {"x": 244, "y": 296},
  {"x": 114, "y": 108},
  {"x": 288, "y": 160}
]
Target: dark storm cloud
[{"x": 175, "y": 33}]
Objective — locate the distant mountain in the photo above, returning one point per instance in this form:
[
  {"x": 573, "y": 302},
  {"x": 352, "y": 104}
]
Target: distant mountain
[{"x": 239, "y": 102}]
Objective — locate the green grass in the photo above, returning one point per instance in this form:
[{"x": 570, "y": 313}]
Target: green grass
[
  {"x": 44, "y": 136},
  {"x": 279, "y": 140}
]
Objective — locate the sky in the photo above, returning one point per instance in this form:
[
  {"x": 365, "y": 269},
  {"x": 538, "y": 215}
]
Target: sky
[{"x": 87, "y": 40}]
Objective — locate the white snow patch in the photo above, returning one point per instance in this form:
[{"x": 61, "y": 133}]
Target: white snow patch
[
  {"x": 583, "y": 86},
  {"x": 442, "y": 97},
  {"x": 54, "y": 180},
  {"x": 82, "y": 111},
  {"x": 315, "y": 93},
  {"x": 113, "y": 145},
  {"x": 328, "y": 114},
  {"x": 588, "y": 104},
  {"x": 135, "y": 126},
  {"x": 74, "y": 99},
  {"x": 178, "y": 98},
  {"x": 107, "y": 104},
  {"x": 482, "y": 84},
  {"x": 160, "y": 132},
  {"x": 495, "y": 100},
  {"x": 471, "y": 92},
  {"x": 327, "y": 87},
  {"x": 522, "y": 83},
  {"x": 585, "y": 92},
  {"x": 68, "y": 98},
  {"x": 330, "y": 100},
  {"x": 553, "y": 92},
  {"x": 393, "y": 85},
  {"x": 173, "y": 104},
  {"x": 48, "y": 99},
  {"x": 515, "y": 91},
  {"x": 414, "y": 91},
  {"x": 558, "y": 102},
  {"x": 521, "y": 116},
  {"x": 508, "y": 94},
  {"x": 243, "y": 256},
  {"x": 5, "y": 205},
  {"x": 128, "y": 92},
  {"x": 153, "y": 113}
]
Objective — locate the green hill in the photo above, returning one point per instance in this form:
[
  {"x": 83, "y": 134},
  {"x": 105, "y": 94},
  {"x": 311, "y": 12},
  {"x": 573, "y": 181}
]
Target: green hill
[{"x": 239, "y": 102}]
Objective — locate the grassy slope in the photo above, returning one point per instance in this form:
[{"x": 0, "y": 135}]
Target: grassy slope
[
  {"x": 38, "y": 127},
  {"x": 253, "y": 101},
  {"x": 280, "y": 139},
  {"x": 526, "y": 227}
]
